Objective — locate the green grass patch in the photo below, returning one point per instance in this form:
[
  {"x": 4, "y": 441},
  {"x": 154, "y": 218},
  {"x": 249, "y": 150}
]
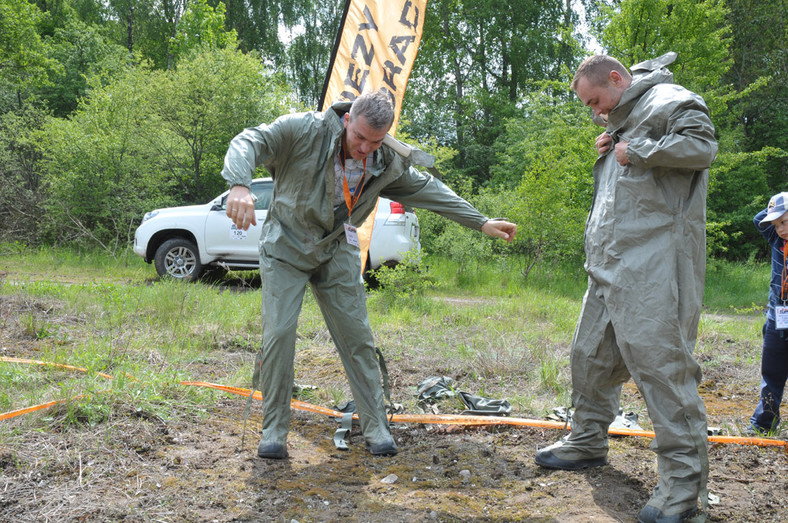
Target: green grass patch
[
  {"x": 737, "y": 287},
  {"x": 72, "y": 263}
]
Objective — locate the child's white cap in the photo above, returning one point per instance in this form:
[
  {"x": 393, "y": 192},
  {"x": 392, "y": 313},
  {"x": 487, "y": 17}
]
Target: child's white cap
[{"x": 778, "y": 206}]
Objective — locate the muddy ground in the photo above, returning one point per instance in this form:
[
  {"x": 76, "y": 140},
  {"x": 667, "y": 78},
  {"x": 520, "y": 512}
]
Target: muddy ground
[{"x": 135, "y": 466}]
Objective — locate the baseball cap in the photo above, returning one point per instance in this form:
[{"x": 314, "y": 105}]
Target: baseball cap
[{"x": 778, "y": 206}]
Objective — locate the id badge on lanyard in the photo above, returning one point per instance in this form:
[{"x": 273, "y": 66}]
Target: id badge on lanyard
[
  {"x": 781, "y": 311},
  {"x": 351, "y": 234},
  {"x": 781, "y": 317}
]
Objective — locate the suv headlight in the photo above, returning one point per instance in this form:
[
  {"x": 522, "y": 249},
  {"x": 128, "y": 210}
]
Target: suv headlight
[{"x": 148, "y": 216}]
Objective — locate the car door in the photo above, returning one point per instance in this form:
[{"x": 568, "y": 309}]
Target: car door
[{"x": 224, "y": 240}]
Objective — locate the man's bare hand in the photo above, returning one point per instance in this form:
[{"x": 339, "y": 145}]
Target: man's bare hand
[
  {"x": 603, "y": 142},
  {"x": 500, "y": 229},
  {"x": 240, "y": 207},
  {"x": 621, "y": 153}
]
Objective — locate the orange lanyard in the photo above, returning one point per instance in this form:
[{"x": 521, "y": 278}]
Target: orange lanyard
[
  {"x": 784, "y": 276},
  {"x": 350, "y": 201}
]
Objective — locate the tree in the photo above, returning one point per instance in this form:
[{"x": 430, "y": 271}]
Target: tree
[
  {"x": 202, "y": 26},
  {"x": 204, "y": 103},
  {"x": 257, "y": 24},
  {"x": 24, "y": 61},
  {"x": 145, "y": 27},
  {"x": 547, "y": 154},
  {"x": 638, "y": 30},
  {"x": 148, "y": 139},
  {"x": 753, "y": 162},
  {"x": 309, "y": 51},
  {"x": 83, "y": 53},
  {"x": 759, "y": 72},
  {"x": 293, "y": 36},
  {"x": 21, "y": 192},
  {"x": 476, "y": 61},
  {"x": 739, "y": 187},
  {"x": 99, "y": 172}
]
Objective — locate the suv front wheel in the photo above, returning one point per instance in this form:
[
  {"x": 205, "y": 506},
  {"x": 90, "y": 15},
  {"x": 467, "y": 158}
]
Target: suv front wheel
[{"x": 178, "y": 258}]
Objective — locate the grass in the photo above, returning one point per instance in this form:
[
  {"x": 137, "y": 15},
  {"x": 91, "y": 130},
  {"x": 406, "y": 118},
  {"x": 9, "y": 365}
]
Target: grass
[
  {"x": 736, "y": 287},
  {"x": 496, "y": 334}
]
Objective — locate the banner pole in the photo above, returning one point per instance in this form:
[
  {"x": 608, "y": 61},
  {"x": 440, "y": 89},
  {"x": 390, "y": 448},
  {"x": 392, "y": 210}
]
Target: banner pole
[{"x": 321, "y": 103}]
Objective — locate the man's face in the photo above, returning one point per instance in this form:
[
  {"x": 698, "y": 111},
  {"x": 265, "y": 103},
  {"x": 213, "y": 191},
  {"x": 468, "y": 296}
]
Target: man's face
[
  {"x": 360, "y": 138},
  {"x": 602, "y": 98},
  {"x": 781, "y": 226}
]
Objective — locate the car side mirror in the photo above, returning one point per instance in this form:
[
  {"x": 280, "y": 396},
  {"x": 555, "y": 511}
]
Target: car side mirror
[{"x": 220, "y": 204}]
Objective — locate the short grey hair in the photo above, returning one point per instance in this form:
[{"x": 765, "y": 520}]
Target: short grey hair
[{"x": 375, "y": 107}]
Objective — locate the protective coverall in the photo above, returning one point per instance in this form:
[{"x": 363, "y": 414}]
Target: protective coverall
[
  {"x": 645, "y": 258},
  {"x": 303, "y": 241}
]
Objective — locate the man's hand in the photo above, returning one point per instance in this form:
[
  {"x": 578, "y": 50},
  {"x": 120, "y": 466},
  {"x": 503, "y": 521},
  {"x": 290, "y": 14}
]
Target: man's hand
[
  {"x": 603, "y": 142},
  {"x": 240, "y": 207},
  {"x": 621, "y": 153},
  {"x": 500, "y": 229}
]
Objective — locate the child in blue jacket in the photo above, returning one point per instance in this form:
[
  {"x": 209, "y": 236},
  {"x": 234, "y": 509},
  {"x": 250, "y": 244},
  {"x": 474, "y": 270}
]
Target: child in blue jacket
[{"x": 772, "y": 223}]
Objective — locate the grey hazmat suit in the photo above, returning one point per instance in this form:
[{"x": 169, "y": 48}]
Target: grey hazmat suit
[
  {"x": 645, "y": 258},
  {"x": 303, "y": 241}
]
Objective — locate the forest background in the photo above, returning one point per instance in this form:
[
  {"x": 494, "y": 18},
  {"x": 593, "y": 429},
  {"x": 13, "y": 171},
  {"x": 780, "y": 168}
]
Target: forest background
[{"x": 111, "y": 108}]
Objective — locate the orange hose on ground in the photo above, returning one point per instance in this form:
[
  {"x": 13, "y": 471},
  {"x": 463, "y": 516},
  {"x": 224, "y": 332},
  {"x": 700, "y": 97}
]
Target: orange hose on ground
[
  {"x": 19, "y": 412},
  {"x": 440, "y": 419},
  {"x": 454, "y": 419},
  {"x": 59, "y": 365}
]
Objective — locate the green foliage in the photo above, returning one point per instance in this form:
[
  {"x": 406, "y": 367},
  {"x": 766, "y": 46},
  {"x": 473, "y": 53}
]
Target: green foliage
[
  {"x": 759, "y": 51},
  {"x": 545, "y": 160},
  {"x": 204, "y": 103},
  {"x": 202, "y": 26},
  {"x": 260, "y": 31},
  {"x": 23, "y": 54},
  {"x": 315, "y": 24},
  {"x": 20, "y": 191},
  {"x": 293, "y": 36},
  {"x": 475, "y": 61},
  {"x": 101, "y": 171},
  {"x": 149, "y": 139},
  {"x": 753, "y": 132},
  {"x": 84, "y": 53},
  {"x": 487, "y": 96},
  {"x": 638, "y": 30},
  {"x": 407, "y": 280},
  {"x": 739, "y": 188}
]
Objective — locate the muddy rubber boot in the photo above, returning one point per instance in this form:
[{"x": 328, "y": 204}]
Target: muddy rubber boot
[
  {"x": 550, "y": 458},
  {"x": 651, "y": 514},
  {"x": 271, "y": 450},
  {"x": 384, "y": 448}
]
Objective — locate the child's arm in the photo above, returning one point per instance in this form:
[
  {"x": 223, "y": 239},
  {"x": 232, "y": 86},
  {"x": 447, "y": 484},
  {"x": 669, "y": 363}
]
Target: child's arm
[{"x": 766, "y": 229}]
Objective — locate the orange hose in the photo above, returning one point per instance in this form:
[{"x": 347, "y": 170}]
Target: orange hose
[
  {"x": 454, "y": 419},
  {"x": 440, "y": 419},
  {"x": 25, "y": 410},
  {"x": 59, "y": 365},
  {"x": 14, "y": 413}
]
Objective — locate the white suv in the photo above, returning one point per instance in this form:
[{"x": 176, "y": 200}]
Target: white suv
[{"x": 182, "y": 241}]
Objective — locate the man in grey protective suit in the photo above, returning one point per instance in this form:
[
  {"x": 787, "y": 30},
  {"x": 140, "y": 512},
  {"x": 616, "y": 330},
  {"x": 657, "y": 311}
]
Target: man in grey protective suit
[
  {"x": 645, "y": 258},
  {"x": 328, "y": 169}
]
